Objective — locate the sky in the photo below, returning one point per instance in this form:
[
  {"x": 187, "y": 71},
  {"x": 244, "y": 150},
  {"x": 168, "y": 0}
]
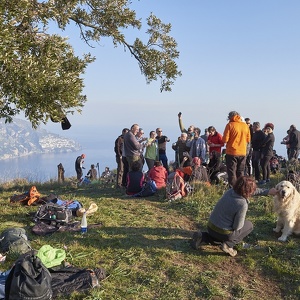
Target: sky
[{"x": 234, "y": 55}]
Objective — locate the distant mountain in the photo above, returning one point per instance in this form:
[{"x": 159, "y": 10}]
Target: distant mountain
[{"x": 19, "y": 139}]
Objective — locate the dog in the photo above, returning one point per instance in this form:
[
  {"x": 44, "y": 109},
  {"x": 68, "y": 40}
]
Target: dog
[{"x": 287, "y": 207}]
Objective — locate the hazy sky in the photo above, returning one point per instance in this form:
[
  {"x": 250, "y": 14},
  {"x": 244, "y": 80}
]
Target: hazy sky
[{"x": 234, "y": 55}]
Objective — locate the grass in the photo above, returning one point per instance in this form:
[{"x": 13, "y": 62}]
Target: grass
[{"x": 144, "y": 246}]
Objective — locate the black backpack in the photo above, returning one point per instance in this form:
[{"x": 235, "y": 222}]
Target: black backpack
[
  {"x": 28, "y": 279},
  {"x": 54, "y": 214}
]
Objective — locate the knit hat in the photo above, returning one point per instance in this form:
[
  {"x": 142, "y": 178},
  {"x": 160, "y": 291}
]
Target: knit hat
[
  {"x": 196, "y": 161},
  {"x": 270, "y": 125}
]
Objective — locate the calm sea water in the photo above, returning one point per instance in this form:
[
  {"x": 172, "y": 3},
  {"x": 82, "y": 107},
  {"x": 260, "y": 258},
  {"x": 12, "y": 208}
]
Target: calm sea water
[{"x": 43, "y": 167}]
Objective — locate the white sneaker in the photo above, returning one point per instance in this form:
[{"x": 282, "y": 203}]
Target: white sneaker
[{"x": 228, "y": 250}]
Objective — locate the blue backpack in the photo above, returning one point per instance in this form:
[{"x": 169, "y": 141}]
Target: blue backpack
[{"x": 149, "y": 189}]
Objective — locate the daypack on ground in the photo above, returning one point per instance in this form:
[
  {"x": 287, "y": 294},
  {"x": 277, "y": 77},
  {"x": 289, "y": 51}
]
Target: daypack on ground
[
  {"x": 14, "y": 240},
  {"x": 27, "y": 198},
  {"x": 29, "y": 279},
  {"x": 69, "y": 279},
  {"x": 149, "y": 189},
  {"x": 175, "y": 188},
  {"x": 54, "y": 214}
]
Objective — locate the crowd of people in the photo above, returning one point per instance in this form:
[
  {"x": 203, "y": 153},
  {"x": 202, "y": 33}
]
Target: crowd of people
[{"x": 243, "y": 152}]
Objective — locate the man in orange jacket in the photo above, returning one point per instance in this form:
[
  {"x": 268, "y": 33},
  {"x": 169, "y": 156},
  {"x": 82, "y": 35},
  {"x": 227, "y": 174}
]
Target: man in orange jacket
[{"x": 236, "y": 137}]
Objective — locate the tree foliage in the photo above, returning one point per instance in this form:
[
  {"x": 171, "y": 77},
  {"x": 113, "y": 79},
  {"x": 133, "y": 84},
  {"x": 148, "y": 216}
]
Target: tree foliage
[{"x": 39, "y": 73}]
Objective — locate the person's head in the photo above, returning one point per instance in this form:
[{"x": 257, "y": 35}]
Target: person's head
[
  {"x": 269, "y": 127},
  {"x": 245, "y": 186},
  {"x": 157, "y": 163},
  {"x": 197, "y": 131},
  {"x": 214, "y": 155},
  {"x": 256, "y": 126},
  {"x": 232, "y": 114},
  {"x": 82, "y": 155},
  {"x": 191, "y": 128},
  {"x": 248, "y": 121},
  {"x": 183, "y": 136},
  {"x": 196, "y": 161},
  {"x": 140, "y": 133},
  {"x": 292, "y": 128},
  {"x": 136, "y": 165},
  {"x": 211, "y": 130},
  {"x": 135, "y": 128},
  {"x": 92, "y": 166},
  {"x": 152, "y": 134},
  {"x": 125, "y": 130},
  {"x": 159, "y": 132}
]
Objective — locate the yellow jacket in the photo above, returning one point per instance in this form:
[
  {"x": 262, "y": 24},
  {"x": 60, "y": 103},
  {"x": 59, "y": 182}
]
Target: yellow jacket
[{"x": 236, "y": 136}]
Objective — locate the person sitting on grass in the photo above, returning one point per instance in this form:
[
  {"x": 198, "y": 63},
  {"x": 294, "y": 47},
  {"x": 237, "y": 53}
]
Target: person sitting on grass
[
  {"x": 135, "y": 179},
  {"x": 227, "y": 225},
  {"x": 159, "y": 175}
]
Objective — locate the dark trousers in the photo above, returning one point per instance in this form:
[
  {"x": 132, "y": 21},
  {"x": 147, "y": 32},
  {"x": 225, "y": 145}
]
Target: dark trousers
[
  {"x": 125, "y": 171},
  {"x": 293, "y": 153},
  {"x": 235, "y": 167},
  {"x": 265, "y": 167},
  {"x": 163, "y": 158},
  {"x": 256, "y": 164},
  {"x": 235, "y": 237},
  {"x": 120, "y": 170}
]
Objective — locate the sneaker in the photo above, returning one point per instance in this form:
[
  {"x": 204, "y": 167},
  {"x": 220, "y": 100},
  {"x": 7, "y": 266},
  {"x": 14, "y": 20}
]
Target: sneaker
[
  {"x": 196, "y": 240},
  {"x": 227, "y": 249},
  {"x": 262, "y": 182}
]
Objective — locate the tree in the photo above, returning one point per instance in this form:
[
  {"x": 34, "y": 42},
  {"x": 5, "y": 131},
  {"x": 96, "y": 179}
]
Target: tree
[{"x": 39, "y": 72}]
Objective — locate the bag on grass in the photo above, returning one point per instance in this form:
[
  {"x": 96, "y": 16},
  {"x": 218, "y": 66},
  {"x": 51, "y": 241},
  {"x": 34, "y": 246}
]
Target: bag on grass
[
  {"x": 27, "y": 198},
  {"x": 14, "y": 240},
  {"x": 149, "y": 189},
  {"x": 28, "y": 279},
  {"x": 54, "y": 214}
]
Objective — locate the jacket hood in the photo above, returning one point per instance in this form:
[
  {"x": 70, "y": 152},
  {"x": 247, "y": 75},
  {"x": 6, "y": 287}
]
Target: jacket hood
[{"x": 236, "y": 118}]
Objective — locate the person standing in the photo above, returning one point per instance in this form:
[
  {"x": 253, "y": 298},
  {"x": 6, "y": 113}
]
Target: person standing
[
  {"x": 119, "y": 148},
  {"x": 197, "y": 145},
  {"x": 214, "y": 140},
  {"x": 79, "y": 166},
  {"x": 293, "y": 143},
  {"x": 180, "y": 148},
  {"x": 151, "y": 150},
  {"x": 248, "y": 169},
  {"x": 267, "y": 152},
  {"x": 132, "y": 146},
  {"x": 236, "y": 136},
  {"x": 162, "y": 146},
  {"x": 257, "y": 141}
]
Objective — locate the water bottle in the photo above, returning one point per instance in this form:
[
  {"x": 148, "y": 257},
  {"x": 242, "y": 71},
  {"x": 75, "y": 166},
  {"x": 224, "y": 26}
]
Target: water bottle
[{"x": 84, "y": 223}]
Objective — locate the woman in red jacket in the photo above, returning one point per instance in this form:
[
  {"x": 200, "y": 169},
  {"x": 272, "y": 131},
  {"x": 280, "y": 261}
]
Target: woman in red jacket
[{"x": 159, "y": 175}]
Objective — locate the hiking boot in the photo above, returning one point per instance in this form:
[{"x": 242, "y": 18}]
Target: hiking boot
[
  {"x": 228, "y": 250},
  {"x": 196, "y": 240}
]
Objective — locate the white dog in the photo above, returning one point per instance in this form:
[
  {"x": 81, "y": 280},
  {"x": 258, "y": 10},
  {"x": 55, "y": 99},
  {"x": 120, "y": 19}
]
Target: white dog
[{"x": 287, "y": 207}]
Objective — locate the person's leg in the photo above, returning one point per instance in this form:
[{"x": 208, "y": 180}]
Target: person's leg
[
  {"x": 125, "y": 171},
  {"x": 255, "y": 163},
  {"x": 238, "y": 235},
  {"x": 231, "y": 163},
  {"x": 241, "y": 164},
  {"x": 120, "y": 168},
  {"x": 263, "y": 163},
  {"x": 163, "y": 158}
]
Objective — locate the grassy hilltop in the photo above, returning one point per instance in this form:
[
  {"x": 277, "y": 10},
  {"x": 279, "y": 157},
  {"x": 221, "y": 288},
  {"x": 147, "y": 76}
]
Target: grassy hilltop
[{"x": 144, "y": 246}]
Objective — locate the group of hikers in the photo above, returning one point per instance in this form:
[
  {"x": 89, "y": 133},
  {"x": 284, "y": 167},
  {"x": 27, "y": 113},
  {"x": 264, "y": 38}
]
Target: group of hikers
[{"x": 245, "y": 160}]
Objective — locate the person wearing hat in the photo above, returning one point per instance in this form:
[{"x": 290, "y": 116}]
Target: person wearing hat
[
  {"x": 236, "y": 136},
  {"x": 267, "y": 152},
  {"x": 293, "y": 143},
  {"x": 194, "y": 172},
  {"x": 78, "y": 166},
  {"x": 257, "y": 140}
]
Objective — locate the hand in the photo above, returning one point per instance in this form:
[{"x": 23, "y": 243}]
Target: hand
[
  {"x": 185, "y": 159},
  {"x": 179, "y": 115},
  {"x": 272, "y": 192}
]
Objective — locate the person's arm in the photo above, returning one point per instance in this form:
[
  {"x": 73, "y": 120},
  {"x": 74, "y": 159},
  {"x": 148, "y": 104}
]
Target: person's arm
[{"x": 181, "y": 126}]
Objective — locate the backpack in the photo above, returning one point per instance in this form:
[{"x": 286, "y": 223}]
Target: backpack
[
  {"x": 14, "y": 240},
  {"x": 149, "y": 189},
  {"x": 54, "y": 214},
  {"x": 29, "y": 279},
  {"x": 27, "y": 198},
  {"x": 175, "y": 188}
]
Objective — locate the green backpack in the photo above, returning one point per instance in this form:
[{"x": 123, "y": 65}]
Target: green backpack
[{"x": 14, "y": 240}]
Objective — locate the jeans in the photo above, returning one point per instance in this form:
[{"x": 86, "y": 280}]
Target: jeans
[
  {"x": 265, "y": 166},
  {"x": 163, "y": 158}
]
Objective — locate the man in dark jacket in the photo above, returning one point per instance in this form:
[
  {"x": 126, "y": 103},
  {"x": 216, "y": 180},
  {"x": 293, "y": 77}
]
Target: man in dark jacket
[{"x": 294, "y": 143}]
